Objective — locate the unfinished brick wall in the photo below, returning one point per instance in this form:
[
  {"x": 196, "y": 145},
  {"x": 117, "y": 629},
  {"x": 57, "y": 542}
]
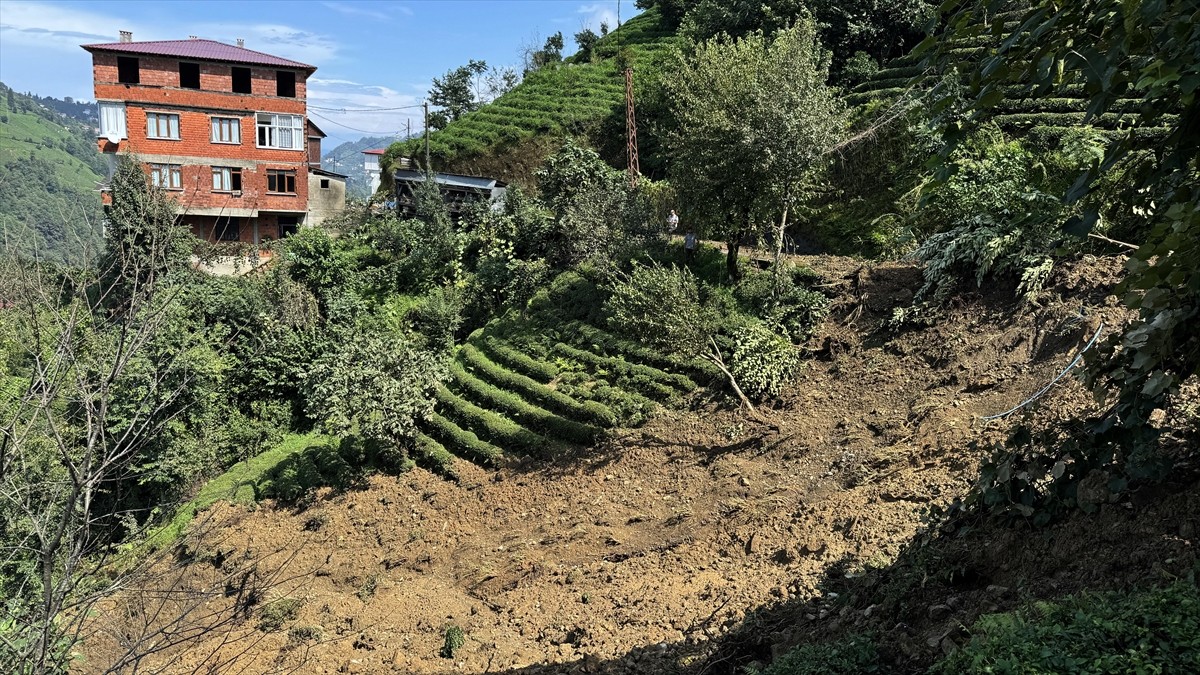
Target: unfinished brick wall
[{"x": 158, "y": 90}]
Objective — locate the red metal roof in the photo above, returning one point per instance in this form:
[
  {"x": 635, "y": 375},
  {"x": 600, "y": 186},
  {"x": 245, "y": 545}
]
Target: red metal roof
[
  {"x": 204, "y": 50},
  {"x": 373, "y": 152}
]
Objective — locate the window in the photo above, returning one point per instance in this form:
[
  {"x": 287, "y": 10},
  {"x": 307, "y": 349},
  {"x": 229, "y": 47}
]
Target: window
[
  {"x": 226, "y": 179},
  {"x": 162, "y": 125},
  {"x": 166, "y": 176},
  {"x": 127, "y": 70},
  {"x": 279, "y": 180},
  {"x": 228, "y": 229},
  {"x": 285, "y": 132},
  {"x": 241, "y": 80},
  {"x": 285, "y": 83},
  {"x": 189, "y": 75},
  {"x": 288, "y": 225},
  {"x": 324, "y": 183},
  {"x": 112, "y": 120},
  {"x": 226, "y": 130}
]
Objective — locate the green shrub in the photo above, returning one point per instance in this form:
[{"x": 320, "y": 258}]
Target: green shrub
[
  {"x": 646, "y": 379},
  {"x": 587, "y": 411},
  {"x": 1156, "y": 631},
  {"x": 660, "y": 307},
  {"x": 455, "y": 639},
  {"x": 462, "y": 442},
  {"x": 519, "y": 410},
  {"x": 856, "y": 654},
  {"x": 496, "y": 429},
  {"x": 571, "y": 296},
  {"x": 519, "y": 361},
  {"x": 777, "y": 299},
  {"x": 433, "y": 456},
  {"x": 763, "y": 361},
  {"x": 274, "y": 614},
  {"x": 591, "y": 338}
]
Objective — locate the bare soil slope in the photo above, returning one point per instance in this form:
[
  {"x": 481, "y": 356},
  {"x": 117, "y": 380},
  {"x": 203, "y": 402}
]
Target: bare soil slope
[{"x": 635, "y": 555}]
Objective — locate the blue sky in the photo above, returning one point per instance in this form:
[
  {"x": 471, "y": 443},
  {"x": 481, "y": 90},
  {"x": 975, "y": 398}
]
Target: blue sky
[{"x": 368, "y": 53}]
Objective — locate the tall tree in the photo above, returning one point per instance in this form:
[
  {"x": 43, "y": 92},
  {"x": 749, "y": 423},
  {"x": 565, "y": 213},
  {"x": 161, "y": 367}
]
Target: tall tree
[
  {"x": 755, "y": 119},
  {"x": 455, "y": 92}
]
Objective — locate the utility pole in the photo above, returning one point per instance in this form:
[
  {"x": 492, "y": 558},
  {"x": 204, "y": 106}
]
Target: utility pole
[
  {"x": 408, "y": 123},
  {"x": 427, "y": 136},
  {"x": 631, "y": 130}
]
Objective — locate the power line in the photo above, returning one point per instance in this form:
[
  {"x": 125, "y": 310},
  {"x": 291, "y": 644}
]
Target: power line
[
  {"x": 346, "y": 110},
  {"x": 361, "y": 131}
]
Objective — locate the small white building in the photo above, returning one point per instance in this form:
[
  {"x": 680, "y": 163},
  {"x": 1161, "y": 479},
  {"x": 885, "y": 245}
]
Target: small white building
[{"x": 371, "y": 164}]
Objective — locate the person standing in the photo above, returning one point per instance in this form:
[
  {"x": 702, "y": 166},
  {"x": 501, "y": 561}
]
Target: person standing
[
  {"x": 672, "y": 221},
  {"x": 690, "y": 240}
]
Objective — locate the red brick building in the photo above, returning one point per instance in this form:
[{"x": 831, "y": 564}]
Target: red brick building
[{"x": 223, "y": 129}]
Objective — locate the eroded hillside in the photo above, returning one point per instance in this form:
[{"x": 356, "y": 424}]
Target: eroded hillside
[{"x": 633, "y": 555}]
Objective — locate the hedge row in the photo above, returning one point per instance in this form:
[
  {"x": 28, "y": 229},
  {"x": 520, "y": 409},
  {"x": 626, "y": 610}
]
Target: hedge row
[
  {"x": 587, "y": 411},
  {"x": 592, "y": 336},
  {"x": 495, "y": 429},
  {"x": 648, "y": 380},
  {"x": 875, "y": 84},
  {"x": 463, "y": 443},
  {"x": 518, "y": 361},
  {"x": 1066, "y": 119},
  {"x": 519, "y": 410},
  {"x": 434, "y": 456}
]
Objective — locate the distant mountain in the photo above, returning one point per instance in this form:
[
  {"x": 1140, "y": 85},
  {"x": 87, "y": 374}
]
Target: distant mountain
[
  {"x": 49, "y": 169},
  {"x": 348, "y": 159}
]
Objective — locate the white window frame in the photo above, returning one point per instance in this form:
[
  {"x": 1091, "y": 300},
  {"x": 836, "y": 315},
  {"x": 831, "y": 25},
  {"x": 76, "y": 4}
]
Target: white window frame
[
  {"x": 220, "y": 124},
  {"x": 278, "y": 128},
  {"x": 115, "y": 118},
  {"x": 173, "y": 174},
  {"x": 155, "y": 123},
  {"x": 223, "y": 178}
]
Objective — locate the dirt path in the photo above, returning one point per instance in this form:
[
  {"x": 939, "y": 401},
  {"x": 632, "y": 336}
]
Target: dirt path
[{"x": 667, "y": 535}]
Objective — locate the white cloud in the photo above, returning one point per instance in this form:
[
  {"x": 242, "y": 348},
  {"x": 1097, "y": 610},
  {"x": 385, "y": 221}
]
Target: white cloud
[
  {"x": 39, "y": 25},
  {"x": 598, "y": 13},
  {"x": 357, "y": 10},
  {"x": 277, "y": 39},
  {"x": 346, "y": 109}
]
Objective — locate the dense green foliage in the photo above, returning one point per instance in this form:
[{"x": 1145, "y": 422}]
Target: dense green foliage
[
  {"x": 49, "y": 170},
  {"x": 1155, "y": 631},
  {"x": 755, "y": 123}
]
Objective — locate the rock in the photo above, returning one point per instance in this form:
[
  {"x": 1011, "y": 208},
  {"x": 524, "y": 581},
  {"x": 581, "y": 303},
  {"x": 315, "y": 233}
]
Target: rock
[
  {"x": 812, "y": 547},
  {"x": 997, "y": 590},
  {"x": 939, "y": 612},
  {"x": 1187, "y": 530},
  {"x": 1093, "y": 489},
  {"x": 948, "y": 646},
  {"x": 753, "y": 545}
]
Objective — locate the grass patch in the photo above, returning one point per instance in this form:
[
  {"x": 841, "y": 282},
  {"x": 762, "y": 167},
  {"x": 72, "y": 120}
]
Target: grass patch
[
  {"x": 1156, "y": 631},
  {"x": 244, "y": 483}
]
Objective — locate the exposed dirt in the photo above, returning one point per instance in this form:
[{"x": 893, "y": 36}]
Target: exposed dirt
[{"x": 633, "y": 556}]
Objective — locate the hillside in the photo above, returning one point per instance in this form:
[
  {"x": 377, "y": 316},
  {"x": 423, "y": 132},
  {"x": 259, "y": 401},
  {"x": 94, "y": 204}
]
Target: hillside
[
  {"x": 512, "y": 135},
  {"x": 49, "y": 168},
  {"x": 347, "y": 159},
  {"x": 637, "y": 555}
]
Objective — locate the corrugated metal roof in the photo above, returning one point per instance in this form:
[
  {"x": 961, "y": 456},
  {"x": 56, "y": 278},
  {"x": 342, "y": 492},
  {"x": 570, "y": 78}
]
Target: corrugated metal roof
[
  {"x": 374, "y": 152},
  {"x": 451, "y": 179},
  {"x": 203, "y": 50}
]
